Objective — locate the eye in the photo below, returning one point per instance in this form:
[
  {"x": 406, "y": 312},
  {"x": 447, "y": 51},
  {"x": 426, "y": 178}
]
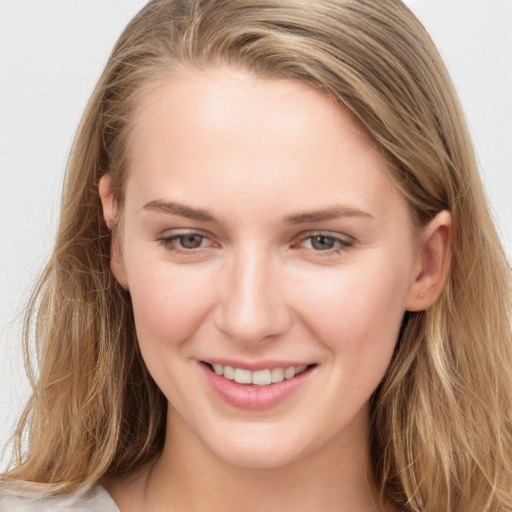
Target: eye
[
  {"x": 322, "y": 242},
  {"x": 191, "y": 241},
  {"x": 184, "y": 242},
  {"x": 325, "y": 243}
]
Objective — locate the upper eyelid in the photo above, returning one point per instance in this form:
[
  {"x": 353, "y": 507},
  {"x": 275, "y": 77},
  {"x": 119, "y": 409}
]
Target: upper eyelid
[
  {"x": 166, "y": 242},
  {"x": 184, "y": 231},
  {"x": 328, "y": 234},
  {"x": 177, "y": 232},
  {"x": 169, "y": 234},
  {"x": 343, "y": 241}
]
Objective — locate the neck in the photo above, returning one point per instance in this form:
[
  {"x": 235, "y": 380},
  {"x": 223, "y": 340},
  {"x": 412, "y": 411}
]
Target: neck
[{"x": 189, "y": 476}]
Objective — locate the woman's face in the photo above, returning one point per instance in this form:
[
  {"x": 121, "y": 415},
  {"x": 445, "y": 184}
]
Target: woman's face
[{"x": 262, "y": 237}]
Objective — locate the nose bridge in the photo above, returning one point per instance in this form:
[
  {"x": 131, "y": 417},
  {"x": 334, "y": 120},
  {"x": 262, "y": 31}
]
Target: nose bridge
[{"x": 252, "y": 308}]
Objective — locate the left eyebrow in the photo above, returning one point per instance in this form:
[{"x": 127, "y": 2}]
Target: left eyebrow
[{"x": 331, "y": 213}]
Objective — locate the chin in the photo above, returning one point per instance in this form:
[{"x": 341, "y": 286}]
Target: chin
[
  {"x": 259, "y": 452},
  {"x": 259, "y": 459}
]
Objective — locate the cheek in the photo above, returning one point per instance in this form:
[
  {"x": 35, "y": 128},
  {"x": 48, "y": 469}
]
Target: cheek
[
  {"x": 357, "y": 311},
  {"x": 169, "y": 304}
]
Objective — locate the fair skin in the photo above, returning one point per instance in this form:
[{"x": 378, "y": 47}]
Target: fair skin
[{"x": 262, "y": 231}]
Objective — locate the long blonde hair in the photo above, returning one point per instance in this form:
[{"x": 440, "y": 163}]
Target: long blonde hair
[{"x": 441, "y": 420}]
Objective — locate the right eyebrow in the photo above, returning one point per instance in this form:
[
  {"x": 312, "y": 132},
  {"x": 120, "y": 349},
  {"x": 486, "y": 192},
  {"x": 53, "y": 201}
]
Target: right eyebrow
[{"x": 179, "y": 209}]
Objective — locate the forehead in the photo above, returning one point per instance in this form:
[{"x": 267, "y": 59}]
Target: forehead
[
  {"x": 208, "y": 133},
  {"x": 224, "y": 99}
]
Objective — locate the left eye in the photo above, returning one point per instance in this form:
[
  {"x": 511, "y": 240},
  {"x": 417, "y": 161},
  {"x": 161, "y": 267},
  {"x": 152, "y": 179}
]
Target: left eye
[
  {"x": 324, "y": 243},
  {"x": 190, "y": 241}
]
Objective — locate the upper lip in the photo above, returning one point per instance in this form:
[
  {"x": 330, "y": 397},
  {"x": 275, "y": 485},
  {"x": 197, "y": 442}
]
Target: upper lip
[{"x": 269, "y": 364}]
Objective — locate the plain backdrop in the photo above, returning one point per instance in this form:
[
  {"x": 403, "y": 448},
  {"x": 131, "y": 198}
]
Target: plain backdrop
[{"x": 51, "y": 54}]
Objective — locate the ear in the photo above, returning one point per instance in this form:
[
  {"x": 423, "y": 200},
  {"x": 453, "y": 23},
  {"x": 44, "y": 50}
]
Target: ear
[
  {"x": 431, "y": 269},
  {"x": 109, "y": 214}
]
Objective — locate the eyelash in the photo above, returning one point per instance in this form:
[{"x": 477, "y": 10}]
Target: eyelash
[
  {"x": 169, "y": 243},
  {"x": 342, "y": 245}
]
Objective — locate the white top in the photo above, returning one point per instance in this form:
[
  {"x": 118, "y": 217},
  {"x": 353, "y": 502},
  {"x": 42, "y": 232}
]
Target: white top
[{"x": 95, "y": 499}]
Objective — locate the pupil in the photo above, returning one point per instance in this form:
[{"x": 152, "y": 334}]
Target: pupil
[
  {"x": 190, "y": 241},
  {"x": 322, "y": 243}
]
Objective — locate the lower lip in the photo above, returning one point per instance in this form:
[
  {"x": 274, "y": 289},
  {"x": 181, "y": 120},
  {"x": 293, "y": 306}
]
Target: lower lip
[{"x": 253, "y": 398}]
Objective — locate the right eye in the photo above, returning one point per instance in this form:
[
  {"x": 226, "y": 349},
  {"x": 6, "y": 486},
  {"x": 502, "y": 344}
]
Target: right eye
[{"x": 185, "y": 242}]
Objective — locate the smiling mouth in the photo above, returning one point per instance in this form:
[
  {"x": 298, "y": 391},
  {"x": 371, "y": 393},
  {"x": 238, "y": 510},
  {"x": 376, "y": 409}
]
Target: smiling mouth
[{"x": 257, "y": 378}]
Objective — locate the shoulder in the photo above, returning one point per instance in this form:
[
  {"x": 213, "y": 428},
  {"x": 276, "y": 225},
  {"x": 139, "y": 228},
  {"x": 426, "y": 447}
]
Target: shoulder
[{"x": 18, "y": 499}]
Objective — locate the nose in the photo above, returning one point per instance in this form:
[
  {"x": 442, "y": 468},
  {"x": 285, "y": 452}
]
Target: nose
[{"x": 251, "y": 309}]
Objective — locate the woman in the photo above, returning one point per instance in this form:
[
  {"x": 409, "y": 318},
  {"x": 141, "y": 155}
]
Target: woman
[{"x": 276, "y": 280}]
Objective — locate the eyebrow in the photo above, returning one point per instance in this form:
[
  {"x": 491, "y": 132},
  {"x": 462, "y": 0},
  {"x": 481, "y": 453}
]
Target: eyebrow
[
  {"x": 330, "y": 213},
  {"x": 179, "y": 209}
]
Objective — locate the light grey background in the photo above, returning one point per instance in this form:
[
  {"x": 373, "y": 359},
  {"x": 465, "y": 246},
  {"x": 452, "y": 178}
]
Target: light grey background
[{"x": 51, "y": 54}]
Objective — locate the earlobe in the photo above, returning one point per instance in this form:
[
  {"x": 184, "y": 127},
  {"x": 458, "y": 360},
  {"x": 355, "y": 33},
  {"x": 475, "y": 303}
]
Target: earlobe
[
  {"x": 433, "y": 257},
  {"x": 109, "y": 214}
]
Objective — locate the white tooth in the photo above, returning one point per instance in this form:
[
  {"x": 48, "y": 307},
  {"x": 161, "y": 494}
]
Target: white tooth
[
  {"x": 229, "y": 372},
  {"x": 242, "y": 376},
  {"x": 218, "y": 369},
  {"x": 300, "y": 369},
  {"x": 289, "y": 373},
  {"x": 277, "y": 375},
  {"x": 261, "y": 377}
]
